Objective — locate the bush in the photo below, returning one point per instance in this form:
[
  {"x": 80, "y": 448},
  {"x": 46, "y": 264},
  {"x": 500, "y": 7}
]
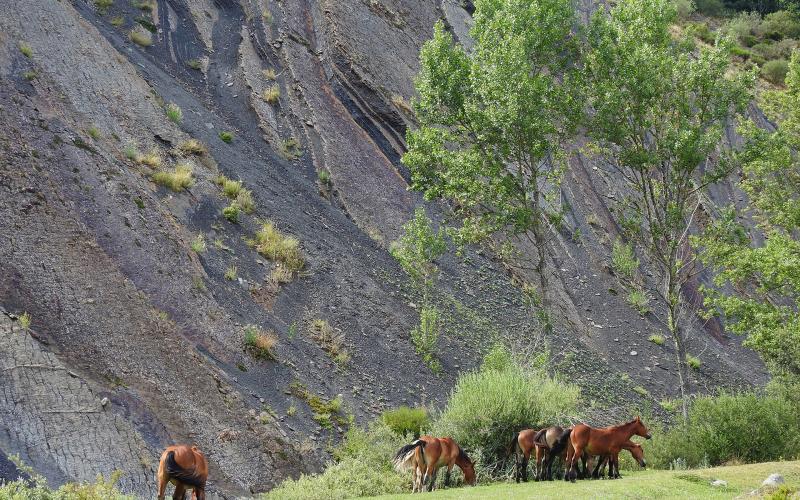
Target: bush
[
  {"x": 405, "y": 420},
  {"x": 174, "y": 112},
  {"x": 710, "y": 7},
  {"x": 36, "y": 487},
  {"x": 192, "y": 147},
  {"x": 743, "y": 26},
  {"x": 362, "y": 467},
  {"x": 270, "y": 242},
  {"x": 693, "y": 362},
  {"x": 744, "y": 428},
  {"x": 260, "y": 343},
  {"x": 425, "y": 336},
  {"x": 775, "y": 71},
  {"x": 231, "y": 213},
  {"x": 226, "y": 137},
  {"x": 683, "y": 8},
  {"x": 701, "y": 31},
  {"x": 639, "y": 300},
  {"x": 177, "y": 180},
  {"x": 623, "y": 260},
  {"x": 779, "y": 25},
  {"x": 656, "y": 339},
  {"x": 486, "y": 408},
  {"x": 141, "y": 36},
  {"x": 271, "y": 94}
]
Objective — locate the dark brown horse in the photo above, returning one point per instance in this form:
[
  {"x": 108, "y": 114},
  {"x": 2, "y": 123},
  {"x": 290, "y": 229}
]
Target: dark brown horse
[
  {"x": 186, "y": 468},
  {"x": 605, "y": 441},
  {"x": 547, "y": 447},
  {"x": 613, "y": 470},
  {"x": 427, "y": 455}
]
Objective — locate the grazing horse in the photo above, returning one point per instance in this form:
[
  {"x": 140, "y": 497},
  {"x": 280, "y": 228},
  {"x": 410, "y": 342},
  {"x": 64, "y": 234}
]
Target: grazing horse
[
  {"x": 613, "y": 470},
  {"x": 186, "y": 468},
  {"x": 523, "y": 443},
  {"x": 427, "y": 455},
  {"x": 605, "y": 441}
]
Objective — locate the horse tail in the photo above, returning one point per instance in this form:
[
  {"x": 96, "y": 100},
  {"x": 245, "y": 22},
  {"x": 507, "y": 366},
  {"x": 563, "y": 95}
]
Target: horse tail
[
  {"x": 186, "y": 476},
  {"x": 540, "y": 438},
  {"x": 405, "y": 454},
  {"x": 514, "y": 445},
  {"x": 561, "y": 443}
]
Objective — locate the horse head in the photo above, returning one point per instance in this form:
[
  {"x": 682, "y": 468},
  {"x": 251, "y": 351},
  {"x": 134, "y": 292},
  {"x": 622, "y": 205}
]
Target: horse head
[
  {"x": 467, "y": 467},
  {"x": 640, "y": 429},
  {"x": 638, "y": 454}
]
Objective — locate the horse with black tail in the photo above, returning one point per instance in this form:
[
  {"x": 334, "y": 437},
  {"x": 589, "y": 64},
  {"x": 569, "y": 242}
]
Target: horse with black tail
[
  {"x": 427, "y": 455},
  {"x": 186, "y": 468}
]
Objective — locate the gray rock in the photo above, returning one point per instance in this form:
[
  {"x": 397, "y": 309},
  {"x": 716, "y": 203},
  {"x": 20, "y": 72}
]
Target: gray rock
[
  {"x": 774, "y": 479},
  {"x": 719, "y": 483}
]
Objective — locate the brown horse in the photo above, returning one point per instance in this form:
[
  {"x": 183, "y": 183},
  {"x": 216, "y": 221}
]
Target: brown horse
[
  {"x": 613, "y": 471},
  {"x": 427, "y": 455},
  {"x": 546, "y": 444},
  {"x": 605, "y": 441},
  {"x": 186, "y": 468}
]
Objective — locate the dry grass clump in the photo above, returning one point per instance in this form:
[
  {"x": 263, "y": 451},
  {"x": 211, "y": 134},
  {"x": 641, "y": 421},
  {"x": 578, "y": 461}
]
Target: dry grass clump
[
  {"x": 192, "y": 147},
  {"x": 174, "y": 112},
  {"x": 231, "y": 273},
  {"x": 269, "y": 73},
  {"x": 230, "y": 187},
  {"x": 281, "y": 274},
  {"x": 270, "y": 242},
  {"x": 141, "y": 36},
  {"x": 199, "y": 244},
  {"x": 260, "y": 342},
  {"x": 177, "y": 180},
  {"x": 25, "y": 320},
  {"x": 330, "y": 340},
  {"x": 151, "y": 159},
  {"x": 271, "y": 94},
  {"x": 245, "y": 201},
  {"x": 401, "y": 104}
]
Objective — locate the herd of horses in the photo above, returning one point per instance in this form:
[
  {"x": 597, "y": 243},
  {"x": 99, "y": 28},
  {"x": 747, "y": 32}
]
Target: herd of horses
[
  {"x": 186, "y": 467},
  {"x": 575, "y": 445}
]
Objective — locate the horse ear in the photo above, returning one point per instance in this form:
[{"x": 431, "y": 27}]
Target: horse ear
[{"x": 638, "y": 418}]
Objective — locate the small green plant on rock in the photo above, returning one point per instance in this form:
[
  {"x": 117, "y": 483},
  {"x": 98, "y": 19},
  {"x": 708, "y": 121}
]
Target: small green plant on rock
[
  {"x": 271, "y": 94},
  {"x": 26, "y": 50},
  {"x": 195, "y": 64},
  {"x": 693, "y": 362},
  {"x": 259, "y": 342},
  {"x": 330, "y": 340},
  {"x": 192, "y": 147},
  {"x": 270, "y": 242},
  {"x": 25, "y": 320},
  {"x": 199, "y": 244},
  {"x": 174, "y": 112},
  {"x": 177, "y": 180},
  {"x": 656, "y": 339},
  {"x": 141, "y": 36},
  {"x": 231, "y": 273},
  {"x": 231, "y": 213},
  {"x": 103, "y": 5},
  {"x": 639, "y": 300},
  {"x": 226, "y": 137},
  {"x": 623, "y": 260}
]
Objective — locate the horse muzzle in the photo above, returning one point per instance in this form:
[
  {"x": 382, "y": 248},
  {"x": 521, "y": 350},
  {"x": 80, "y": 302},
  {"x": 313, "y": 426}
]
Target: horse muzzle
[{"x": 648, "y": 436}]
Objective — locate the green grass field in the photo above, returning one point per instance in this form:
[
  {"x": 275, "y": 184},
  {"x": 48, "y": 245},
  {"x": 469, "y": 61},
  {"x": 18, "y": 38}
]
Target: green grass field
[{"x": 742, "y": 479}]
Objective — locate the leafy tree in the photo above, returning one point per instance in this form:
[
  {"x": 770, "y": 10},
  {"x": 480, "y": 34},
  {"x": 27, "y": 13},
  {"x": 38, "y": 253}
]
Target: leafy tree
[
  {"x": 659, "y": 115},
  {"x": 492, "y": 118},
  {"x": 764, "y": 266}
]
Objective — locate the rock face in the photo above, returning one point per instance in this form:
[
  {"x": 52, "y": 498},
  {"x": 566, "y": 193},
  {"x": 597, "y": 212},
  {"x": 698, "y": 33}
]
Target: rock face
[
  {"x": 125, "y": 311},
  {"x": 773, "y": 480}
]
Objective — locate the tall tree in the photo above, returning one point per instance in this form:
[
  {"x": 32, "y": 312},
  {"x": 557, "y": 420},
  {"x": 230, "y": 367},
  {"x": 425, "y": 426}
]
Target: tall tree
[
  {"x": 659, "y": 112},
  {"x": 764, "y": 267},
  {"x": 492, "y": 119}
]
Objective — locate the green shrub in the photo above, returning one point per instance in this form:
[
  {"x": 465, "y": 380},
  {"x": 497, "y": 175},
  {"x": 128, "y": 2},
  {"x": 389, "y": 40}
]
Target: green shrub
[
  {"x": 230, "y": 187},
  {"x": 701, "y": 31},
  {"x": 405, "y": 420},
  {"x": 260, "y": 343},
  {"x": 270, "y": 242},
  {"x": 362, "y": 467},
  {"x": 271, "y": 94},
  {"x": 779, "y": 25},
  {"x": 36, "y": 487},
  {"x": 623, "y": 260},
  {"x": 639, "y": 300},
  {"x": 656, "y": 339},
  {"x": 141, "y": 36},
  {"x": 25, "y": 320},
  {"x": 693, "y": 362},
  {"x": 174, "y": 112},
  {"x": 486, "y": 408},
  {"x": 710, "y": 7},
  {"x": 26, "y": 49},
  {"x": 177, "y": 180},
  {"x": 245, "y": 201},
  {"x": 231, "y": 213},
  {"x": 425, "y": 336},
  {"x": 742, "y": 27},
  {"x": 746, "y": 427},
  {"x": 226, "y": 136},
  {"x": 199, "y": 244},
  {"x": 775, "y": 71},
  {"x": 103, "y": 5},
  {"x": 195, "y": 64},
  {"x": 683, "y": 8}
]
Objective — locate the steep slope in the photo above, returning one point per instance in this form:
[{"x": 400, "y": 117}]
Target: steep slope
[{"x": 137, "y": 341}]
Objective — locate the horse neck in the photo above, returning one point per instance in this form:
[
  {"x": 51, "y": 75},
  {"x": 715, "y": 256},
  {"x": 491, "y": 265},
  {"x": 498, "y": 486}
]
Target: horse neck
[
  {"x": 628, "y": 429},
  {"x": 461, "y": 461}
]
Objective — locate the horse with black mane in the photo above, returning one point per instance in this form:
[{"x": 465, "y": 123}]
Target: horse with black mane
[
  {"x": 426, "y": 455},
  {"x": 186, "y": 468},
  {"x": 605, "y": 441}
]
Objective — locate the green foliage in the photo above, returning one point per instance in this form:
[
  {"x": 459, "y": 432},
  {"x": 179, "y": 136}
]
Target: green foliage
[
  {"x": 259, "y": 342},
  {"x": 639, "y": 300},
  {"x": 141, "y": 36},
  {"x": 230, "y": 187},
  {"x": 199, "y": 244},
  {"x": 178, "y": 179},
  {"x": 775, "y": 71},
  {"x": 426, "y": 335},
  {"x": 701, "y": 31},
  {"x": 226, "y": 137},
  {"x": 656, "y": 339},
  {"x": 330, "y": 340},
  {"x": 231, "y": 213},
  {"x": 174, "y": 112},
  {"x": 486, "y": 408},
  {"x": 325, "y": 412},
  {"x": 25, "y": 49},
  {"x": 103, "y": 5},
  {"x": 362, "y": 467},
  {"x": 270, "y": 242},
  {"x": 684, "y": 8},
  {"x": 407, "y": 421},
  {"x": 710, "y": 7},
  {"x": 743, "y": 26},
  {"x": 492, "y": 118},
  {"x": 36, "y": 487},
  {"x": 781, "y": 24},
  {"x": 231, "y": 273},
  {"x": 657, "y": 129},
  {"x": 693, "y": 362},
  {"x": 25, "y": 320},
  {"x": 624, "y": 260},
  {"x": 764, "y": 271},
  {"x": 746, "y": 427},
  {"x": 271, "y": 94},
  {"x": 418, "y": 248}
]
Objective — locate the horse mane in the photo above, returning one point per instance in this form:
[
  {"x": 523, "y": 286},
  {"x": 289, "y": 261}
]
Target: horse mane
[{"x": 463, "y": 455}]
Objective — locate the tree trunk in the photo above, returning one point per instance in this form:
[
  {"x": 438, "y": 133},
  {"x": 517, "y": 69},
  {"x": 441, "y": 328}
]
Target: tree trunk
[{"x": 680, "y": 352}]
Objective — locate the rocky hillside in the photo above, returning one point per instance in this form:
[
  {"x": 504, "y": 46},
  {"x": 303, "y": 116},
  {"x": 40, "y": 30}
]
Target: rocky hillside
[{"x": 153, "y": 316}]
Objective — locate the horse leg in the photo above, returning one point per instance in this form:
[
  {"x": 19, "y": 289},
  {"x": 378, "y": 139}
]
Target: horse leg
[
  {"x": 200, "y": 493},
  {"x": 567, "y": 462},
  {"x": 577, "y": 455},
  {"x": 583, "y": 474},
  {"x": 180, "y": 492},
  {"x": 431, "y": 474},
  {"x": 447, "y": 476},
  {"x": 616, "y": 466}
]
